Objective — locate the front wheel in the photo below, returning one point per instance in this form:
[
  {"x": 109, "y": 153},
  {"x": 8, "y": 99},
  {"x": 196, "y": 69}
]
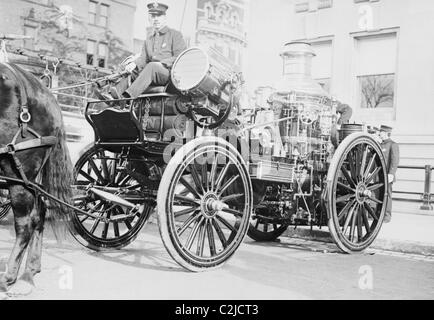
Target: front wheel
[
  {"x": 204, "y": 203},
  {"x": 111, "y": 173},
  {"x": 357, "y": 190}
]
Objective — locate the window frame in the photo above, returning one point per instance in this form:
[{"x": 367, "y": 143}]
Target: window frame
[
  {"x": 303, "y": 6},
  {"x": 29, "y": 44},
  {"x": 98, "y": 16},
  {"x": 95, "y": 44},
  {"x": 96, "y": 53},
  {"x": 382, "y": 113},
  {"x": 98, "y": 56},
  {"x": 101, "y": 5},
  {"x": 92, "y": 14}
]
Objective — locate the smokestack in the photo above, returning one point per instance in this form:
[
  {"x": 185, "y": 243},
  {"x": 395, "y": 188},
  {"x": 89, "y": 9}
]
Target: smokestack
[{"x": 297, "y": 70}]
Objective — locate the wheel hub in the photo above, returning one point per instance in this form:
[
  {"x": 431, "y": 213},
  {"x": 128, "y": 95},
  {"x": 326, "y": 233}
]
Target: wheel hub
[
  {"x": 210, "y": 205},
  {"x": 362, "y": 193}
]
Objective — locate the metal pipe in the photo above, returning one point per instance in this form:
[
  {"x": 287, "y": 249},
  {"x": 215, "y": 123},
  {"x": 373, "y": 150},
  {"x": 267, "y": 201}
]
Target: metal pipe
[
  {"x": 409, "y": 192},
  {"x": 411, "y": 167},
  {"x": 113, "y": 198},
  {"x": 266, "y": 123}
]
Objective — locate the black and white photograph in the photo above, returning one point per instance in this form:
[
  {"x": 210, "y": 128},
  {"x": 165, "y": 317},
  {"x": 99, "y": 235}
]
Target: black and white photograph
[{"x": 216, "y": 154}]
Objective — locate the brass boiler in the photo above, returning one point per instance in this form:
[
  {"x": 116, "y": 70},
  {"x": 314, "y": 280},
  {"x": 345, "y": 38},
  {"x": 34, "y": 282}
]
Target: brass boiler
[
  {"x": 203, "y": 74},
  {"x": 301, "y": 98}
]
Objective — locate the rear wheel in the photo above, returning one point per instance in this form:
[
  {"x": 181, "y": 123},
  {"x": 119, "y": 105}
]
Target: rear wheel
[
  {"x": 263, "y": 228},
  {"x": 356, "y": 192},
  {"x": 204, "y": 203},
  {"x": 111, "y": 173}
]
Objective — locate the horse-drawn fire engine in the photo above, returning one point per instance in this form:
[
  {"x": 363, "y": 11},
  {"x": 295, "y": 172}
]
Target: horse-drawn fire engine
[{"x": 213, "y": 179}]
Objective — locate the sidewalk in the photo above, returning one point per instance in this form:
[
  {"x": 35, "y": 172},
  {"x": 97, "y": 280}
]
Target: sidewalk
[{"x": 407, "y": 233}]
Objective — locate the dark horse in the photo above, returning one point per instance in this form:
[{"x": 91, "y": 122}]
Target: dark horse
[{"x": 30, "y": 210}]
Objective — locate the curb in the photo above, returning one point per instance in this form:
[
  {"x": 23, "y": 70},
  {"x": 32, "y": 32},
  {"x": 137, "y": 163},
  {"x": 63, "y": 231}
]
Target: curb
[
  {"x": 402, "y": 246},
  {"x": 323, "y": 235}
]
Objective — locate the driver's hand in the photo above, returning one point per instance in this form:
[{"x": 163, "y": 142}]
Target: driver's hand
[{"x": 130, "y": 66}]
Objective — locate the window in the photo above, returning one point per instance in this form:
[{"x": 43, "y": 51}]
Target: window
[
  {"x": 312, "y": 5},
  {"x": 376, "y": 91},
  {"x": 220, "y": 15},
  {"x": 322, "y": 63},
  {"x": 90, "y": 57},
  {"x": 103, "y": 16},
  {"x": 102, "y": 55},
  {"x": 323, "y": 4},
  {"x": 235, "y": 20},
  {"x": 97, "y": 53},
  {"x": 376, "y": 63},
  {"x": 232, "y": 55},
  {"x": 98, "y": 13},
  {"x": 209, "y": 11},
  {"x": 29, "y": 31},
  {"x": 92, "y": 12}
]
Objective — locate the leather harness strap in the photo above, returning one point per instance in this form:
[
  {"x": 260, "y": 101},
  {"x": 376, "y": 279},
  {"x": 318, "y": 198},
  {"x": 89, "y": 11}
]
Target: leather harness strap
[
  {"x": 37, "y": 142},
  {"x": 29, "y": 144},
  {"x": 24, "y": 115}
]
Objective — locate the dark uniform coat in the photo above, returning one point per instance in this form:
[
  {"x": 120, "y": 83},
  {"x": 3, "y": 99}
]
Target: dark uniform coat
[
  {"x": 391, "y": 154},
  {"x": 163, "y": 46},
  {"x": 153, "y": 66}
]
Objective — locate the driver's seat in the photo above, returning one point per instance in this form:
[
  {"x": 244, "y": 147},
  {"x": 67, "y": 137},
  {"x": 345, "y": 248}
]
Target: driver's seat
[{"x": 155, "y": 89}]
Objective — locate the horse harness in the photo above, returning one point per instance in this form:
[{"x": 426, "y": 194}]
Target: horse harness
[
  {"x": 24, "y": 129},
  {"x": 37, "y": 142}
]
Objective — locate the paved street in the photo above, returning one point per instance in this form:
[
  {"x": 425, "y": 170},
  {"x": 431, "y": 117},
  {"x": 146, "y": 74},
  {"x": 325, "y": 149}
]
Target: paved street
[{"x": 291, "y": 269}]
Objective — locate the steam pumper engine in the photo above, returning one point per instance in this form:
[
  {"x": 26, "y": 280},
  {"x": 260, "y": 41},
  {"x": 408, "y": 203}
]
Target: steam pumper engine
[{"x": 293, "y": 133}]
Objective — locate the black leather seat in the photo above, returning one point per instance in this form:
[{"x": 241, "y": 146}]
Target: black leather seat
[{"x": 113, "y": 125}]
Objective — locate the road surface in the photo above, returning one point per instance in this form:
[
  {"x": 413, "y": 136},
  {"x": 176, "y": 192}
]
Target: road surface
[{"x": 290, "y": 269}]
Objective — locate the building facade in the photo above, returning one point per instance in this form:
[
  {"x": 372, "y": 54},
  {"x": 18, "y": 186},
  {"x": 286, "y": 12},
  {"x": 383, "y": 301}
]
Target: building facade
[
  {"x": 375, "y": 55},
  {"x": 88, "y": 35},
  {"x": 221, "y": 25},
  {"x": 91, "y": 32}
]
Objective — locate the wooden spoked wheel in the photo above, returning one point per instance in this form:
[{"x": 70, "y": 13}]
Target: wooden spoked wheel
[
  {"x": 204, "y": 203},
  {"x": 263, "y": 228},
  {"x": 357, "y": 190},
  {"x": 111, "y": 173}
]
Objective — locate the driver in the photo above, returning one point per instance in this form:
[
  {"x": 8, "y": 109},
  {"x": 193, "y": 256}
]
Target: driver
[{"x": 160, "y": 50}]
